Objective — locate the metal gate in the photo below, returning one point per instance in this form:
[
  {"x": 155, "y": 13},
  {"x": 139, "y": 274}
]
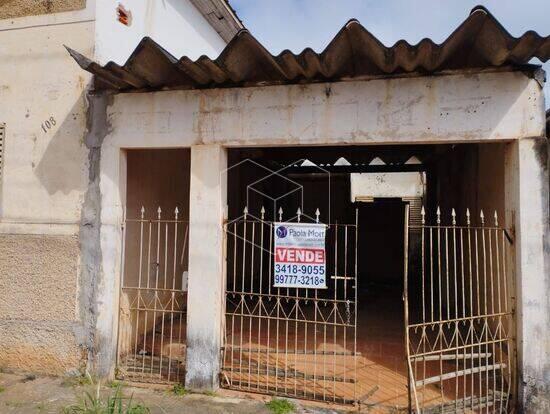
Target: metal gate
[
  {"x": 458, "y": 315},
  {"x": 153, "y": 299},
  {"x": 292, "y": 342}
]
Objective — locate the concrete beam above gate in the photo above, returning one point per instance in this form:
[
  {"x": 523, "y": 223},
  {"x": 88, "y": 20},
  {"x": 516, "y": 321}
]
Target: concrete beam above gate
[{"x": 456, "y": 107}]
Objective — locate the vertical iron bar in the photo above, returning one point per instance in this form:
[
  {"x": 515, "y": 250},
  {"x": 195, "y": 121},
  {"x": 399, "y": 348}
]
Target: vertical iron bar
[
  {"x": 499, "y": 309},
  {"x": 139, "y": 285},
  {"x": 410, "y": 386},
  {"x": 148, "y": 287},
  {"x": 356, "y": 287},
  {"x": 336, "y": 310},
  {"x": 447, "y": 281},
  {"x": 163, "y": 311},
  {"x": 485, "y": 307},
  {"x": 431, "y": 276},
  {"x": 155, "y": 297},
  {"x": 260, "y": 297},
  {"x": 345, "y": 282},
  {"x": 269, "y": 300},
  {"x": 242, "y": 301},
  {"x": 440, "y": 324},
  {"x": 122, "y": 280},
  {"x": 184, "y": 246},
  {"x": 471, "y": 310},
  {"x": 173, "y": 292},
  {"x": 250, "y": 297},
  {"x": 234, "y": 288}
]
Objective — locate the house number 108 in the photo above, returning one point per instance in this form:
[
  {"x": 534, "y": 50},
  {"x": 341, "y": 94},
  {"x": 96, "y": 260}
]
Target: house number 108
[{"x": 48, "y": 124}]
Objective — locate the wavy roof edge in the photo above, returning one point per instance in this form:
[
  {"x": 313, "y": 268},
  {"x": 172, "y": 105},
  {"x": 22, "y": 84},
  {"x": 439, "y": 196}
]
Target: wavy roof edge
[{"x": 479, "y": 42}]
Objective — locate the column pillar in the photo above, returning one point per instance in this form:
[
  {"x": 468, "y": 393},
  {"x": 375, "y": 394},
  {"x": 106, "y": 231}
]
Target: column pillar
[
  {"x": 205, "y": 295},
  {"x": 107, "y": 202},
  {"x": 527, "y": 209}
]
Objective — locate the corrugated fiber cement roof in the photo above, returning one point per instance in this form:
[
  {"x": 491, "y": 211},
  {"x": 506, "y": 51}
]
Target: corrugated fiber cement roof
[{"x": 479, "y": 42}]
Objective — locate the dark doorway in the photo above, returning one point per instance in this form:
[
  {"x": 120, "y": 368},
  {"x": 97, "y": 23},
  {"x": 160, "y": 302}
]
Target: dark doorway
[
  {"x": 381, "y": 239},
  {"x": 380, "y": 335}
]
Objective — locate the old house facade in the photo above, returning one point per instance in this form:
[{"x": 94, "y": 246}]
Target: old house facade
[
  {"x": 47, "y": 297},
  {"x": 426, "y": 167}
]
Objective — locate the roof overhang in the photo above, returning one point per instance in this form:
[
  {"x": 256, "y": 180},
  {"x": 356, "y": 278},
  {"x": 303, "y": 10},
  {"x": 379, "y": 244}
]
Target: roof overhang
[
  {"x": 221, "y": 16},
  {"x": 479, "y": 43}
]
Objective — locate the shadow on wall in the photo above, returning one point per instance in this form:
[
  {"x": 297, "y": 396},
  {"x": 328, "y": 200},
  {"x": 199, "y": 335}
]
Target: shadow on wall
[{"x": 63, "y": 165}]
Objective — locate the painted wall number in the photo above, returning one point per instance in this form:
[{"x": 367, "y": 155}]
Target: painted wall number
[{"x": 48, "y": 124}]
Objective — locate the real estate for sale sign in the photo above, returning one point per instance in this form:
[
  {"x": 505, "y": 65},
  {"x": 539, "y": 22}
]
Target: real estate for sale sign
[{"x": 300, "y": 259}]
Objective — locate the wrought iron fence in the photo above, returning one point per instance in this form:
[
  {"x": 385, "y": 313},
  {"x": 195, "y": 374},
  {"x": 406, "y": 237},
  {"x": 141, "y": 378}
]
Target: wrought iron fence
[
  {"x": 459, "y": 317},
  {"x": 153, "y": 299},
  {"x": 292, "y": 342}
]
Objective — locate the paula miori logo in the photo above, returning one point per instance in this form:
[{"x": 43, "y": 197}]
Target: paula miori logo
[{"x": 282, "y": 232}]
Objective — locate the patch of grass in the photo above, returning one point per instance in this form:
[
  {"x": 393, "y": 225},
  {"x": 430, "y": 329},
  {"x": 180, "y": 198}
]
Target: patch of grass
[
  {"x": 85, "y": 379},
  {"x": 41, "y": 406},
  {"x": 179, "y": 390},
  {"x": 78, "y": 380},
  {"x": 280, "y": 406},
  {"x": 115, "y": 384},
  {"x": 114, "y": 403},
  {"x": 210, "y": 393},
  {"x": 2, "y": 389}
]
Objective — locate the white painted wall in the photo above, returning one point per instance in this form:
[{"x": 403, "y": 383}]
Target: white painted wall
[
  {"x": 44, "y": 177},
  {"x": 45, "y": 172},
  {"x": 175, "y": 24},
  {"x": 453, "y": 108}
]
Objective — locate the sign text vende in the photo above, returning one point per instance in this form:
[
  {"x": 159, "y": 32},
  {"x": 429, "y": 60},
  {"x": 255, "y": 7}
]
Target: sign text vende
[{"x": 295, "y": 255}]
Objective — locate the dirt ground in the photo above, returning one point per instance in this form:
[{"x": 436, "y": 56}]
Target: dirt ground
[{"x": 21, "y": 394}]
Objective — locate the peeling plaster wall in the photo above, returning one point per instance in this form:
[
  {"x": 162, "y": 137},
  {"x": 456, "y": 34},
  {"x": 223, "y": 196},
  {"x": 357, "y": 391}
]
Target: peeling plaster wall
[
  {"x": 92, "y": 282},
  {"x": 497, "y": 106},
  {"x": 527, "y": 196},
  {"x": 45, "y": 175}
]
